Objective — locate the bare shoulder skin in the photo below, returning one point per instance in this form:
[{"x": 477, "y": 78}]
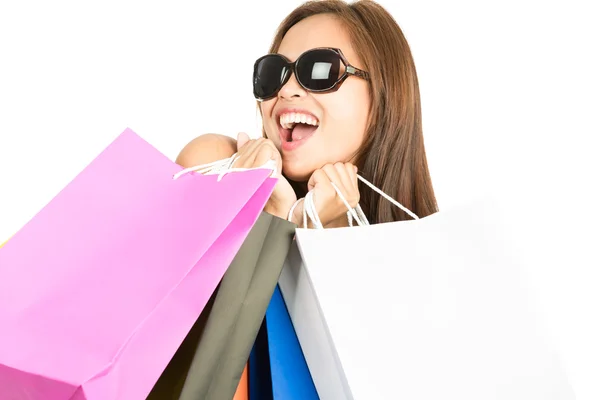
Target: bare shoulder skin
[{"x": 205, "y": 149}]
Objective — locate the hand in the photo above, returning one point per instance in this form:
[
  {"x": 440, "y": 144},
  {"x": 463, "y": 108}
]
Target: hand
[
  {"x": 328, "y": 204},
  {"x": 256, "y": 153}
]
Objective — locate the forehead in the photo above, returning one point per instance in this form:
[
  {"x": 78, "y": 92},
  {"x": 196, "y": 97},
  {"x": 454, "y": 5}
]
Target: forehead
[{"x": 321, "y": 30}]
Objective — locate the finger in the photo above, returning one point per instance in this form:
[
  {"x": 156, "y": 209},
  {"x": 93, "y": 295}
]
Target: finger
[
  {"x": 318, "y": 178},
  {"x": 243, "y": 143},
  {"x": 327, "y": 191},
  {"x": 264, "y": 153},
  {"x": 354, "y": 191},
  {"x": 275, "y": 155},
  {"x": 253, "y": 145},
  {"x": 353, "y": 174},
  {"x": 242, "y": 139},
  {"x": 247, "y": 153},
  {"x": 347, "y": 183},
  {"x": 250, "y": 152},
  {"x": 339, "y": 176},
  {"x": 269, "y": 143},
  {"x": 333, "y": 174},
  {"x": 259, "y": 152},
  {"x": 345, "y": 178}
]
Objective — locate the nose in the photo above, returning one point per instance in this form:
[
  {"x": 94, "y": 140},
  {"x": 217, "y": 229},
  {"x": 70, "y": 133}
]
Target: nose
[{"x": 292, "y": 88}]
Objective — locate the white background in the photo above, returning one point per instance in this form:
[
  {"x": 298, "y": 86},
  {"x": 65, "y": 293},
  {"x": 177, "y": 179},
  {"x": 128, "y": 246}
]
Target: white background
[{"x": 509, "y": 93}]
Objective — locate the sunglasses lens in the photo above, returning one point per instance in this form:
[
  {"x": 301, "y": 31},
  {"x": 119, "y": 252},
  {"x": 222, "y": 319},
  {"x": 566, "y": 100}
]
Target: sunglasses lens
[
  {"x": 320, "y": 69},
  {"x": 269, "y": 73}
]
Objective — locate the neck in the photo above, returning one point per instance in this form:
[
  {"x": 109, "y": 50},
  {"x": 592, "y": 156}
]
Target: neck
[{"x": 300, "y": 188}]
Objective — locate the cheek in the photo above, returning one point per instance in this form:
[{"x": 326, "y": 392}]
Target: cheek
[
  {"x": 348, "y": 114},
  {"x": 269, "y": 125}
]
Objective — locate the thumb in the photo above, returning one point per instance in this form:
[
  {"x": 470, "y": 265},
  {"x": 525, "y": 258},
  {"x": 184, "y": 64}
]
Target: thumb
[
  {"x": 317, "y": 178},
  {"x": 242, "y": 139}
]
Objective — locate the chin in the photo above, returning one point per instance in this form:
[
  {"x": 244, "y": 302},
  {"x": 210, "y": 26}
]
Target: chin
[{"x": 297, "y": 171}]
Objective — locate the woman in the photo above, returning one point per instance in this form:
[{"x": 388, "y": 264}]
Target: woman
[{"x": 321, "y": 131}]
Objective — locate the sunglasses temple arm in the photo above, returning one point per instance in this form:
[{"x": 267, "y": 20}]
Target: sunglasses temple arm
[{"x": 358, "y": 72}]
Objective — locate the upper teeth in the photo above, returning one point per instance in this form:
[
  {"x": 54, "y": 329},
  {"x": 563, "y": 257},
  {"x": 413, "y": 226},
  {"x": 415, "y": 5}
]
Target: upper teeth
[{"x": 288, "y": 120}]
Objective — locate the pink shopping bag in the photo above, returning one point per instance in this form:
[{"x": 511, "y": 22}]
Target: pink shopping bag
[{"x": 100, "y": 288}]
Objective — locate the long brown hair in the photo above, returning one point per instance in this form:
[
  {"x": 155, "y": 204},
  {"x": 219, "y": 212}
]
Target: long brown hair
[{"x": 393, "y": 155}]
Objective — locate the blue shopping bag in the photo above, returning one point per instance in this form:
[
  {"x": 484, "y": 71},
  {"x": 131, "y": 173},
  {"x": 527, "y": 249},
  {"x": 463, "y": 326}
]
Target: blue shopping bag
[{"x": 277, "y": 368}]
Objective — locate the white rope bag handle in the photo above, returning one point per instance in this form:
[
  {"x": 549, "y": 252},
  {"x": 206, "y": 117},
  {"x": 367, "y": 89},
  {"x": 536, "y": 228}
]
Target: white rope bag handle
[
  {"x": 357, "y": 214},
  {"x": 223, "y": 167}
]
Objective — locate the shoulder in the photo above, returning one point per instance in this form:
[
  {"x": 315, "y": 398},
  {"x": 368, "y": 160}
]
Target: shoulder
[{"x": 205, "y": 149}]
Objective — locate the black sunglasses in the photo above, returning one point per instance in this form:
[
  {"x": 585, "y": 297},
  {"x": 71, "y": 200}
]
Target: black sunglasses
[{"x": 319, "y": 70}]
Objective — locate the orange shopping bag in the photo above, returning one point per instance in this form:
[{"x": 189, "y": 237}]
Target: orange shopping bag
[{"x": 242, "y": 391}]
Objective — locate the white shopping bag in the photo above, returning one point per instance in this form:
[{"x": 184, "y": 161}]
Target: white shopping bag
[{"x": 436, "y": 308}]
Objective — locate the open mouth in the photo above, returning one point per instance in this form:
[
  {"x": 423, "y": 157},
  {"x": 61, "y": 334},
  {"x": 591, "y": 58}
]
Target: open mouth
[{"x": 297, "y": 126}]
